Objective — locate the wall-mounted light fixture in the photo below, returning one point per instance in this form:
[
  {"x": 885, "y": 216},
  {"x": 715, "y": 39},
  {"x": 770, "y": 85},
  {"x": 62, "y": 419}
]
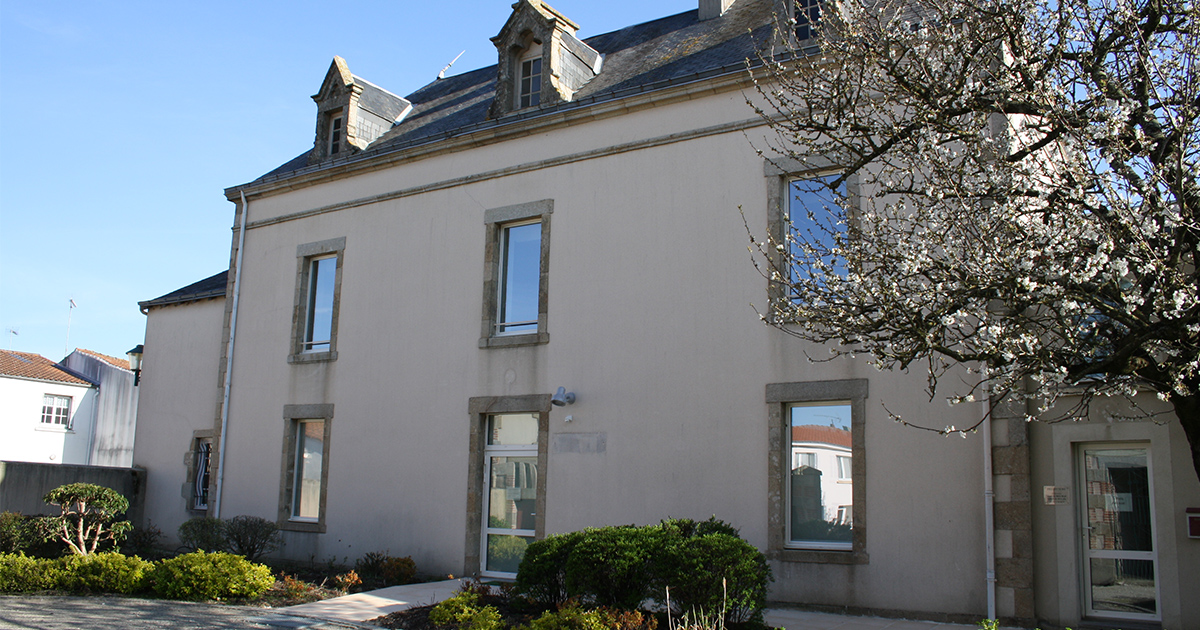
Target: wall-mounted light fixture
[
  {"x": 135, "y": 363},
  {"x": 562, "y": 397}
]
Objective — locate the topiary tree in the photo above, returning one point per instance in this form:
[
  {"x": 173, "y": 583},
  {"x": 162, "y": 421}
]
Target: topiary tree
[{"x": 88, "y": 516}]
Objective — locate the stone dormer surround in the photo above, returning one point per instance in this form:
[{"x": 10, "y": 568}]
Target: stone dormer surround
[
  {"x": 567, "y": 62},
  {"x": 366, "y": 110},
  {"x": 710, "y": 9}
]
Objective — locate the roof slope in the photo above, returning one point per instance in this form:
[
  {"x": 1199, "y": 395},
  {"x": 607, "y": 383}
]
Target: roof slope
[
  {"x": 210, "y": 287},
  {"x": 113, "y": 361},
  {"x": 822, "y": 435},
  {"x": 35, "y": 366},
  {"x": 637, "y": 59}
]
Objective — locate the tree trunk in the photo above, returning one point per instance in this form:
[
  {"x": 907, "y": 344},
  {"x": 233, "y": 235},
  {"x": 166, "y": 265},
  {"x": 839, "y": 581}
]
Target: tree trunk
[{"x": 1188, "y": 410}]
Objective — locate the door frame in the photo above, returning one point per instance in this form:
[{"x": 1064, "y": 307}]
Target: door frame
[{"x": 1082, "y": 528}]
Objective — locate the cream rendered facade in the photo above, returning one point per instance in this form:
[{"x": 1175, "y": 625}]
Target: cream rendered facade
[{"x": 646, "y": 316}]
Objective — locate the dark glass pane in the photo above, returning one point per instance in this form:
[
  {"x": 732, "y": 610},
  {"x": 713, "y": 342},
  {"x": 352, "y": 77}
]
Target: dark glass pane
[{"x": 1123, "y": 586}]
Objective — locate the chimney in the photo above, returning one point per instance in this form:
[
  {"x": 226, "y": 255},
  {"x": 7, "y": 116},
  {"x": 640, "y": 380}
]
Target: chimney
[{"x": 710, "y": 9}]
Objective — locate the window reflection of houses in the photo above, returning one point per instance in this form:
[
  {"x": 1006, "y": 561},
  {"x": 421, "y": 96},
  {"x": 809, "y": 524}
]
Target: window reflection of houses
[{"x": 821, "y": 484}]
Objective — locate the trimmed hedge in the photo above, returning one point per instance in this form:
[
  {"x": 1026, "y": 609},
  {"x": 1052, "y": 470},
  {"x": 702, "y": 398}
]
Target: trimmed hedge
[
  {"x": 94, "y": 573},
  {"x": 199, "y": 575},
  {"x": 706, "y": 564}
]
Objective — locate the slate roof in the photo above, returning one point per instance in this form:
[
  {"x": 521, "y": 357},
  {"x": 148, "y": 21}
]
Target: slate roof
[
  {"x": 822, "y": 435},
  {"x": 35, "y": 366},
  {"x": 641, "y": 58},
  {"x": 210, "y": 287},
  {"x": 113, "y": 361},
  {"x": 379, "y": 101}
]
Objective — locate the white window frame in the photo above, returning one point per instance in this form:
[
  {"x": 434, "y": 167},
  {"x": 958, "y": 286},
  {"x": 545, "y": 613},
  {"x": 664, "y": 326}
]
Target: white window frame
[
  {"x": 59, "y": 409},
  {"x": 202, "y": 465},
  {"x": 532, "y": 61},
  {"x": 818, "y": 545},
  {"x": 308, "y": 341},
  {"x": 298, "y": 470},
  {"x": 337, "y": 133},
  {"x": 501, "y": 286},
  {"x": 490, "y": 451}
]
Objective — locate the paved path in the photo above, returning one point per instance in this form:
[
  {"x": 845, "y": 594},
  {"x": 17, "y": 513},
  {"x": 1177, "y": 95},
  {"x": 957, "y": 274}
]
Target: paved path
[
  {"x": 130, "y": 613},
  {"x": 340, "y": 613}
]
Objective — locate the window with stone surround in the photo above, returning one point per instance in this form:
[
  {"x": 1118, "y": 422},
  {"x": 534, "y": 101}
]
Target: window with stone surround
[
  {"x": 516, "y": 259},
  {"x": 305, "y": 471},
  {"x": 808, "y": 18},
  {"x": 815, "y": 515},
  {"x": 529, "y": 92},
  {"x": 318, "y": 292}
]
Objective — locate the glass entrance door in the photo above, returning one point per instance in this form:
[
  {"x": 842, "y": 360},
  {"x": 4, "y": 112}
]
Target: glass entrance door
[
  {"x": 510, "y": 492},
  {"x": 1120, "y": 563}
]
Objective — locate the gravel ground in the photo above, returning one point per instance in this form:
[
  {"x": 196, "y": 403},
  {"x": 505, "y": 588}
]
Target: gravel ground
[{"x": 120, "y": 613}]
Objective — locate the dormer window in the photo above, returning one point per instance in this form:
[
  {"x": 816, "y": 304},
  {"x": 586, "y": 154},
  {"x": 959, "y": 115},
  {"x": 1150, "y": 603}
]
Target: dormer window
[
  {"x": 531, "y": 81},
  {"x": 335, "y": 135},
  {"x": 808, "y": 18}
]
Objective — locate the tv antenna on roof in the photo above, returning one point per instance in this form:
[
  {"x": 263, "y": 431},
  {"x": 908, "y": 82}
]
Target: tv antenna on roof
[
  {"x": 70, "y": 310},
  {"x": 442, "y": 74},
  {"x": 12, "y": 332}
]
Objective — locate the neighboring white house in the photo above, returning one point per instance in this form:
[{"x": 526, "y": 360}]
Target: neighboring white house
[
  {"x": 78, "y": 411},
  {"x": 414, "y": 289},
  {"x": 46, "y": 412}
]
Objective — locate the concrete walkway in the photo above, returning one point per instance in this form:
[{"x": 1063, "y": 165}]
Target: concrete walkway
[{"x": 360, "y": 607}]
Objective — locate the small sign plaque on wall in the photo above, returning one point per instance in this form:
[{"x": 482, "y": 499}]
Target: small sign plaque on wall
[{"x": 1056, "y": 495}]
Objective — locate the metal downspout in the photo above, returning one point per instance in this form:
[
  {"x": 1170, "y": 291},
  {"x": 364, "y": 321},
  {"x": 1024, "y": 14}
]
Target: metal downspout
[
  {"x": 237, "y": 285},
  {"x": 989, "y": 497}
]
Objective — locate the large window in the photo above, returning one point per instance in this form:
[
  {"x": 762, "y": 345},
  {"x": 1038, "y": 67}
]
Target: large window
[
  {"x": 817, "y": 468},
  {"x": 515, "y": 283},
  {"x": 815, "y": 220},
  {"x": 520, "y": 273},
  {"x": 318, "y": 287},
  {"x": 56, "y": 410},
  {"x": 816, "y": 491},
  {"x": 318, "y": 326},
  {"x": 305, "y": 467}
]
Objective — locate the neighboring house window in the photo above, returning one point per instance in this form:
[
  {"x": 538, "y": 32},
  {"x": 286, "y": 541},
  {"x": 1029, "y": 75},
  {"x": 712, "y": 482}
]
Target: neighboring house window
[
  {"x": 56, "y": 410},
  {"x": 515, "y": 284},
  {"x": 318, "y": 289},
  {"x": 305, "y": 467},
  {"x": 335, "y": 135},
  {"x": 808, "y": 18},
  {"x": 203, "y": 456},
  {"x": 818, "y": 512},
  {"x": 531, "y": 82}
]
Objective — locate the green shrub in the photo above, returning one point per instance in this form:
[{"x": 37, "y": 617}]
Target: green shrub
[
  {"x": 20, "y": 533},
  {"x": 610, "y": 566},
  {"x": 709, "y": 569},
  {"x": 88, "y": 518},
  {"x": 569, "y": 618},
  {"x": 103, "y": 573},
  {"x": 542, "y": 576},
  {"x": 21, "y": 574},
  {"x": 714, "y": 574},
  {"x": 464, "y": 612},
  {"x": 216, "y": 575},
  {"x": 251, "y": 536},
  {"x": 203, "y": 533}
]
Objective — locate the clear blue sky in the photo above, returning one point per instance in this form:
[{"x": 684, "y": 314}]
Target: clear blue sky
[{"x": 122, "y": 122}]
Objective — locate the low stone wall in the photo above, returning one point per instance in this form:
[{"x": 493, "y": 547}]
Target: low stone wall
[{"x": 23, "y": 484}]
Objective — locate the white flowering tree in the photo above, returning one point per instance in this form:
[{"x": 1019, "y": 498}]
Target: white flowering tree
[{"x": 1022, "y": 183}]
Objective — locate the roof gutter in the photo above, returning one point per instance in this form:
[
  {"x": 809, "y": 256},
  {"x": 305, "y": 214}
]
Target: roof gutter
[{"x": 237, "y": 285}]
